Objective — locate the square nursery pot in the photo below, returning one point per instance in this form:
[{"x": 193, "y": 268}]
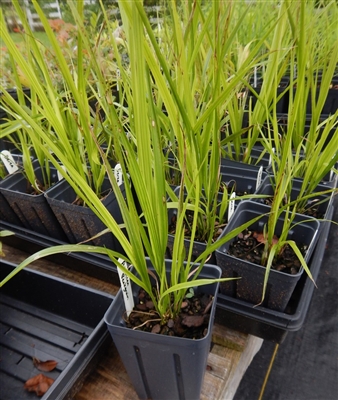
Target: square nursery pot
[
  {"x": 331, "y": 102},
  {"x": 242, "y": 180},
  {"x": 283, "y": 126},
  {"x": 5, "y": 143},
  {"x": 172, "y": 170},
  {"x": 39, "y": 318},
  {"x": 14, "y": 93},
  {"x": 7, "y": 214},
  {"x": 258, "y": 157},
  {"x": 316, "y": 206},
  {"x": 159, "y": 366},
  {"x": 272, "y": 325},
  {"x": 80, "y": 223},
  {"x": 282, "y": 93},
  {"x": 250, "y": 285},
  {"x": 31, "y": 209},
  {"x": 282, "y": 97},
  {"x": 198, "y": 247},
  {"x": 95, "y": 106}
]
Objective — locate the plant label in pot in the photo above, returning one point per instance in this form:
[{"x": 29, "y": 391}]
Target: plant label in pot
[
  {"x": 162, "y": 366},
  {"x": 199, "y": 246},
  {"x": 280, "y": 284}
]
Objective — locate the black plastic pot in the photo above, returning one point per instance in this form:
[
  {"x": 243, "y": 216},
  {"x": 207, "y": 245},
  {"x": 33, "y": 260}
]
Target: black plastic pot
[
  {"x": 95, "y": 106},
  {"x": 7, "y": 214},
  {"x": 250, "y": 285},
  {"x": 31, "y": 209},
  {"x": 50, "y": 319},
  {"x": 6, "y": 144},
  {"x": 198, "y": 247},
  {"x": 258, "y": 157},
  {"x": 331, "y": 102},
  {"x": 269, "y": 324},
  {"x": 282, "y": 93},
  {"x": 282, "y": 96},
  {"x": 14, "y": 93},
  {"x": 241, "y": 179},
  {"x": 163, "y": 367},
  {"x": 283, "y": 126},
  {"x": 323, "y": 200},
  {"x": 172, "y": 171},
  {"x": 238, "y": 177},
  {"x": 80, "y": 223}
]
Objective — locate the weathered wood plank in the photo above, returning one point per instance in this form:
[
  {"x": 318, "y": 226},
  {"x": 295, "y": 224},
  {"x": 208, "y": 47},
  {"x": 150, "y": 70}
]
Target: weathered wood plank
[{"x": 229, "y": 338}]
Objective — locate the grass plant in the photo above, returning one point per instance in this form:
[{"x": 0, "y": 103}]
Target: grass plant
[
  {"x": 142, "y": 233},
  {"x": 181, "y": 85}
]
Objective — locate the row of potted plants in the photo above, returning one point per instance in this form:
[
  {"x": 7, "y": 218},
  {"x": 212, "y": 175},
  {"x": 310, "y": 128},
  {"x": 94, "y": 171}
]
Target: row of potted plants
[{"x": 193, "y": 117}]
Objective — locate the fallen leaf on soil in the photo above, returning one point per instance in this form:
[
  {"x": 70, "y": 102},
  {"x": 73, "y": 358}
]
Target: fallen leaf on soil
[
  {"x": 193, "y": 320},
  {"x": 46, "y": 366},
  {"x": 259, "y": 236},
  {"x": 39, "y": 384}
]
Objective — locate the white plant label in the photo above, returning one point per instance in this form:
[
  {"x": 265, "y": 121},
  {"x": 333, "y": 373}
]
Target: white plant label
[
  {"x": 231, "y": 207},
  {"x": 8, "y": 160},
  {"x": 259, "y": 177},
  {"x": 126, "y": 287},
  {"x": 60, "y": 177},
  {"x": 255, "y": 77},
  {"x": 118, "y": 75},
  {"x": 331, "y": 175},
  {"x": 118, "y": 174}
]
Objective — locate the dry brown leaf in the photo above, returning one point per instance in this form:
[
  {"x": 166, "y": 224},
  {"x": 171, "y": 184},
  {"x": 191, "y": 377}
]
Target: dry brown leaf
[
  {"x": 45, "y": 366},
  {"x": 259, "y": 236},
  {"x": 39, "y": 384},
  {"x": 193, "y": 320}
]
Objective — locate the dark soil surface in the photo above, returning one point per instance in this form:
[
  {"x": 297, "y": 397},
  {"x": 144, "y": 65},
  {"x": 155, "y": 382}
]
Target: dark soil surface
[
  {"x": 32, "y": 191},
  {"x": 80, "y": 202},
  {"x": 199, "y": 236},
  {"x": 192, "y": 322},
  {"x": 311, "y": 209},
  {"x": 249, "y": 246}
]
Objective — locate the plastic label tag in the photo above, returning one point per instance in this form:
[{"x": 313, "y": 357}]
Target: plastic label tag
[
  {"x": 331, "y": 175},
  {"x": 255, "y": 77},
  {"x": 231, "y": 206},
  {"x": 8, "y": 160},
  {"x": 118, "y": 75},
  {"x": 126, "y": 287},
  {"x": 60, "y": 177},
  {"x": 259, "y": 177},
  {"x": 118, "y": 174}
]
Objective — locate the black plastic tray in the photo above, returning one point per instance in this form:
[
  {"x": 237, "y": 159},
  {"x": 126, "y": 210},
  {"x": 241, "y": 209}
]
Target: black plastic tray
[
  {"x": 233, "y": 313},
  {"x": 50, "y": 319}
]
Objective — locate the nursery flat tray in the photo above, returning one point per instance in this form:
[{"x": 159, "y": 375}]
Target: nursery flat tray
[
  {"x": 91, "y": 264},
  {"x": 231, "y": 312},
  {"x": 50, "y": 319}
]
